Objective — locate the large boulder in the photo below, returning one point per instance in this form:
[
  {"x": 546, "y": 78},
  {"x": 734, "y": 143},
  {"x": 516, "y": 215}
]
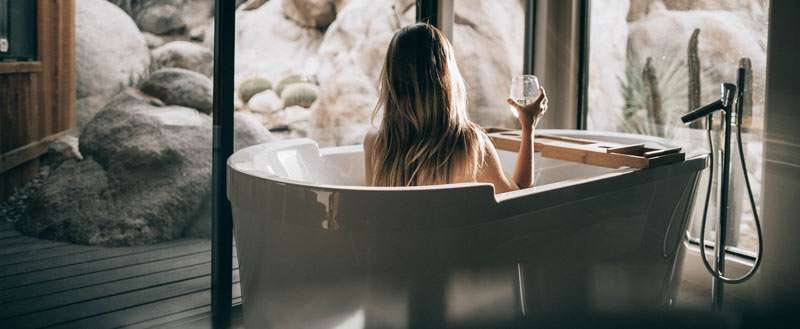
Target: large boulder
[
  {"x": 311, "y": 13},
  {"x": 145, "y": 177},
  {"x": 271, "y": 45},
  {"x": 182, "y": 87},
  {"x": 58, "y": 211},
  {"x": 184, "y": 55},
  {"x": 489, "y": 53},
  {"x": 155, "y": 16},
  {"x": 108, "y": 57}
]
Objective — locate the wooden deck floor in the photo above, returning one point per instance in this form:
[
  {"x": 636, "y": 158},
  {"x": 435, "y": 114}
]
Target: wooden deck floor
[{"x": 46, "y": 284}]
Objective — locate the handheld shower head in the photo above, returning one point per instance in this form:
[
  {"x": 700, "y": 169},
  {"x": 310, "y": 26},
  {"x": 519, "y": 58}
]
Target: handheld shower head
[{"x": 727, "y": 91}]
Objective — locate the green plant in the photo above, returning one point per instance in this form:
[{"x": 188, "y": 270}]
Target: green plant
[
  {"x": 693, "y": 63},
  {"x": 252, "y": 86},
  {"x": 300, "y": 94},
  {"x": 288, "y": 80}
]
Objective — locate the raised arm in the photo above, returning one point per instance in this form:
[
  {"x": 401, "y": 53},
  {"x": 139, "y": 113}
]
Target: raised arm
[{"x": 529, "y": 116}]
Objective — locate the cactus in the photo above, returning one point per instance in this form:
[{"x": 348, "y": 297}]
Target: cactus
[
  {"x": 252, "y": 86},
  {"x": 288, "y": 80},
  {"x": 300, "y": 94},
  {"x": 653, "y": 95},
  {"x": 693, "y": 63}
]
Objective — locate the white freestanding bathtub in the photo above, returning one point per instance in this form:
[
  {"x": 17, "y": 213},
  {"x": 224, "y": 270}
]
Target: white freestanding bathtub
[{"x": 318, "y": 249}]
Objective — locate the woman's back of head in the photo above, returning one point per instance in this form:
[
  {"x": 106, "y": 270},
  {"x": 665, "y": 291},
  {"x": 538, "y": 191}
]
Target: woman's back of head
[{"x": 425, "y": 135}]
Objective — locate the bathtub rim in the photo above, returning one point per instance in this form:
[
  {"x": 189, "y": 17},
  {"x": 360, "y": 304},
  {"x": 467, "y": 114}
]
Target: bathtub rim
[
  {"x": 500, "y": 206},
  {"x": 688, "y": 163},
  {"x": 349, "y": 148}
]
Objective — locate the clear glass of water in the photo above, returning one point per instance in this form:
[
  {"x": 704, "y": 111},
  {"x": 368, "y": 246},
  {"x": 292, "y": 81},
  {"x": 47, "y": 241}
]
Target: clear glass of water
[{"x": 524, "y": 90}]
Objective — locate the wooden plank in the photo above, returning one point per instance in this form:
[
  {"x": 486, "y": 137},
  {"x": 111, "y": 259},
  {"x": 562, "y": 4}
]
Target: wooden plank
[
  {"x": 28, "y": 247},
  {"x": 69, "y": 297},
  {"x": 94, "y": 308},
  {"x": 634, "y": 149},
  {"x": 27, "y": 152},
  {"x": 176, "y": 320},
  {"x": 8, "y": 234},
  {"x": 77, "y": 270},
  {"x": 90, "y": 279},
  {"x": 38, "y": 255},
  {"x": 655, "y": 153},
  {"x": 201, "y": 320},
  {"x": 66, "y": 67},
  {"x": 6, "y": 225},
  {"x": 666, "y": 159},
  {"x": 47, "y": 24},
  {"x": 22, "y": 239},
  {"x": 149, "y": 315},
  {"x": 20, "y": 67},
  {"x": 109, "y": 304},
  {"x": 99, "y": 253}
]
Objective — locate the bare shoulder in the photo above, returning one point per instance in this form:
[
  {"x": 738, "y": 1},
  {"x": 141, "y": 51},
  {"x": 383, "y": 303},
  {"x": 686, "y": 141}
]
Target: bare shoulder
[
  {"x": 371, "y": 135},
  {"x": 369, "y": 138},
  {"x": 491, "y": 170}
]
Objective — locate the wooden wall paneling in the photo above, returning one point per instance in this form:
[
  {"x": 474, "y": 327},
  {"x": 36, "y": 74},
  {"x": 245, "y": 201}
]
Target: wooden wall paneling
[
  {"x": 37, "y": 99},
  {"x": 47, "y": 54},
  {"x": 66, "y": 66}
]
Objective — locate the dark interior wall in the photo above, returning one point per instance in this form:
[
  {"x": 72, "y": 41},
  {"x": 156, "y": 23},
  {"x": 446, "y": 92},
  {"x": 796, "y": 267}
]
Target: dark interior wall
[{"x": 780, "y": 275}]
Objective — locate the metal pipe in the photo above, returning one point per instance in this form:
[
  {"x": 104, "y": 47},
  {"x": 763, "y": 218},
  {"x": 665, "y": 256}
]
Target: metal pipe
[
  {"x": 222, "y": 224},
  {"x": 722, "y": 229}
]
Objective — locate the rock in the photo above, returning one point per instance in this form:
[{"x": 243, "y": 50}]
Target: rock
[
  {"x": 160, "y": 19},
  {"x": 316, "y": 14},
  {"x": 489, "y": 53},
  {"x": 74, "y": 205},
  {"x": 265, "y": 102},
  {"x": 724, "y": 38},
  {"x": 145, "y": 179},
  {"x": 155, "y": 16},
  {"x": 266, "y": 30},
  {"x": 185, "y": 55},
  {"x": 293, "y": 116},
  {"x": 351, "y": 58},
  {"x": 198, "y": 34},
  {"x": 253, "y": 4},
  {"x": 87, "y": 107},
  {"x": 108, "y": 57},
  {"x": 60, "y": 150},
  {"x": 152, "y": 40},
  {"x": 756, "y": 9},
  {"x": 182, "y": 87},
  {"x": 607, "y": 61},
  {"x": 248, "y": 130}
]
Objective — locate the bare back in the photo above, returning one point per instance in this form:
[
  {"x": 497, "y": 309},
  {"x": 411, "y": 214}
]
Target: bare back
[{"x": 491, "y": 170}]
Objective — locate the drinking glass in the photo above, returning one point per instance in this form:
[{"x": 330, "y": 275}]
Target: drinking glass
[{"x": 524, "y": 90}]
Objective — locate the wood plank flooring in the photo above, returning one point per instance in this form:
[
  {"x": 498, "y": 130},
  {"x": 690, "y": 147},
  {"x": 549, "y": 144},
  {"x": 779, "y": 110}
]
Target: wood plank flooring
[{"x": 46, "y": 284}]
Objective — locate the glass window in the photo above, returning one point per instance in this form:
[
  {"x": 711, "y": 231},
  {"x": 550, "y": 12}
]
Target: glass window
[
  {"x": 489, "y": 52},
  {"x": 313, "y": 72},
  {"x": 652, "y": 61}
]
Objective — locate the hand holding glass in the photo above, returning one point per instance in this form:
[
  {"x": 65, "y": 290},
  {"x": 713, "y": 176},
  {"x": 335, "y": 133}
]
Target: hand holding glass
[{"x": 524, "y": 91}]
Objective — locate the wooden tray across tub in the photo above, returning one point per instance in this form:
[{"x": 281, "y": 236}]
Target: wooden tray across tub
[{"x": 592, "y": 152}]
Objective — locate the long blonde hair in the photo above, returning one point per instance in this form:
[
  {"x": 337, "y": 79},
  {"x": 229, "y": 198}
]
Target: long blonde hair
[{"x": 425, "y": 136}]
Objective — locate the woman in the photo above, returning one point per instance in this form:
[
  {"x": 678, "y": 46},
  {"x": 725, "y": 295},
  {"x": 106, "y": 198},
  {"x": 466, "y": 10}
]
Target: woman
[{"x": 425, "y": 136}]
